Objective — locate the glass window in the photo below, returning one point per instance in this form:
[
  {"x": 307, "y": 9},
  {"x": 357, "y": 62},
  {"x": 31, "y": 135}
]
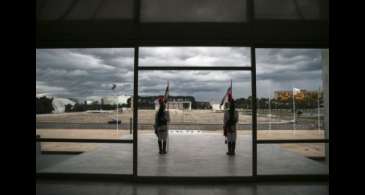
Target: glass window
[
  {"x": 53, "y": 9},
  {"x": 290, "y": 9},
  {"x": 281, "y": 75},
  {"x": 115, "y": 9},
  {"x": 84, "y": 94},
  {"x": 84, "y": 9},
  {"x": 193, "y": 11},
  {"x": 194, "y": 56},
  {"x": 287, "y": 159},
  {"x": 290, "y": 92},
  {"x": 196, "y": 142}
]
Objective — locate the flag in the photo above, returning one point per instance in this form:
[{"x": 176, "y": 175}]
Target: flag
[
  {"x": 296, "y": 91},
  {"x": 166, "y": 92},
  {"x": 114, "y": 86},
  {"x": 228, "y": 93}
]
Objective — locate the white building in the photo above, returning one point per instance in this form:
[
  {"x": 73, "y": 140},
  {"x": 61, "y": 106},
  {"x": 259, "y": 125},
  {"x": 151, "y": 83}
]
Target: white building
[
  {"x": 113, "y": 100},
  {"x": 217, "y": 107},
  {"x": 60, "y": 103},
  {"x": 178, "y": 105},
  {"x": 88, "y": 102}
]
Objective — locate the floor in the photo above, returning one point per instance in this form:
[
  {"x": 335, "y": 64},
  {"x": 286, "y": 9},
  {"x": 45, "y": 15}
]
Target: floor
[
  {"x": 115, "y": 188},
  {"x": 201, "y": 154}
]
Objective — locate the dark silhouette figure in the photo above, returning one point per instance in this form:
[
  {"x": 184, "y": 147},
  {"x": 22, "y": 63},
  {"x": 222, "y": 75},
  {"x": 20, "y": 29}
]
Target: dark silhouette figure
[
  {"x": 230, "y": 122},
  {"x": 162, "y": 119}
]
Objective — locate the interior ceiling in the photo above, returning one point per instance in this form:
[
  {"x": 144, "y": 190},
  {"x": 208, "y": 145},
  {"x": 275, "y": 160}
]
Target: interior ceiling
[{"x": 125, "y": 23}]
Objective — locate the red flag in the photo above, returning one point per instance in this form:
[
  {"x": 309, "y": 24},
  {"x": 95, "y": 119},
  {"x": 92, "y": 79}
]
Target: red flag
[{"x": 228, "y": 95}]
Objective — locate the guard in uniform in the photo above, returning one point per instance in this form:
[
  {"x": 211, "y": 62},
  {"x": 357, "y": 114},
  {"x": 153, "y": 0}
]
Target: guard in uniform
[
  {"x": 230, "y": 122},
  {"x": 162, "y": 118}
]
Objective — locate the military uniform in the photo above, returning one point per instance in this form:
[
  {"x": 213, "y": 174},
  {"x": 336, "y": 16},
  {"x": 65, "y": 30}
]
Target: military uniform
[
  {"x": 162, "y": 130},
  {"x": 230, "y": 131}
]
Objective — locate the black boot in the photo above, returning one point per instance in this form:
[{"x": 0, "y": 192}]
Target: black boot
[
  {"x": 160, "y": 147},
  {"x": 233, "y": 148},
  {"x": 164, "y": 147},
  {"x": 229, "y": 148}
]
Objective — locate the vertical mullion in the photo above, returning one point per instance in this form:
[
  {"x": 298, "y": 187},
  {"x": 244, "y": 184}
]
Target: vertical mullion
[
  {"x": 135, "y": 112},
  {"x": 254, "y": 112},
  {"x": 250, "y": 19},
  {"x": 137, "y": 8}
]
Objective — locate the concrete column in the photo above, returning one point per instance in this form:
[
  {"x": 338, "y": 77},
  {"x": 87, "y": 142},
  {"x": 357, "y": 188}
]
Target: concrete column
[{"x": 325, "y": 80}]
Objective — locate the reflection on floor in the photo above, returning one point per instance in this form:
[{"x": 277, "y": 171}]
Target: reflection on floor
[
  {"x": 106, "y": 188},
  {"x": 200, "y": 154}
]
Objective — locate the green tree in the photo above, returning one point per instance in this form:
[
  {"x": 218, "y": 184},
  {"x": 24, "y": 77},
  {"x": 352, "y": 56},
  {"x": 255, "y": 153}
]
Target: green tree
[
  {"x": 68, "y": 108},
  {"x": 44, "y": 105}
]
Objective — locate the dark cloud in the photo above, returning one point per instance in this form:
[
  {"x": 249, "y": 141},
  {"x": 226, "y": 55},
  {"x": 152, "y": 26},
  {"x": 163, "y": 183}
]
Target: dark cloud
[
  {"x": 194, "y": 56},
  {"x": 83, "y": 73}
]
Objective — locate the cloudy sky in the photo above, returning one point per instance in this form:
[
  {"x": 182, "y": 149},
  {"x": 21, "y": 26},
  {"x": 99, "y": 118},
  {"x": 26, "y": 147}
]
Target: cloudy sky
[{"x": 90, "y": 73}]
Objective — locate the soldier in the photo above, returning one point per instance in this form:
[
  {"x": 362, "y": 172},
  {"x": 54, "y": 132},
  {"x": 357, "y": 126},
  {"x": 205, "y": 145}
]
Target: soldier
[
  {"x": 230, "y": 122},
  {"x": 162, "y": 118}
]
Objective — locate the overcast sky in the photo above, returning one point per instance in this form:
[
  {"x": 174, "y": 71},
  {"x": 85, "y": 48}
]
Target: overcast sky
[{"x": 90, "y": 73}]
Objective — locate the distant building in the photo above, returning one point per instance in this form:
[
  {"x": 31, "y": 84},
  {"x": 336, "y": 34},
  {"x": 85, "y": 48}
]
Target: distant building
[
  {"x": 113, "y": 100},
  {"x": 217, "y": 107},
  {"x": 59, "y": 104},
  {"x": 89, "y": 102},
  {"x": 284, "y": 95},
  {"x": 178, "y": 104}
]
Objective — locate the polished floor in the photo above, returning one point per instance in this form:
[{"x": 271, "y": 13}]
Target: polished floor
[
  {"x": 200, "y": 154},
  {"x": 115, "y": 188}
]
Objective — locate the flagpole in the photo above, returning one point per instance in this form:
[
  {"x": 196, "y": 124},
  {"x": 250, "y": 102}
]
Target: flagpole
[
  {"x": 293, "y": 111},
  {"x": 167, "y": 97},
  {"x": 319, "y": 120},
  {"x": 168, "y": 86},
  {"x": 117, "y": 115},
  {"x": 270, "y": 107},
  {"x": 231, "y": 88},
  {"x": 114, "y": 86}
]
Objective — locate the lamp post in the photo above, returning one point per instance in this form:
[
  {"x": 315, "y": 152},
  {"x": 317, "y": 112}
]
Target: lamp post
[
  {"x": 114, "y": 86},
  {"x": 319, "y": 119},
  {"x": 117, "y": 114}
]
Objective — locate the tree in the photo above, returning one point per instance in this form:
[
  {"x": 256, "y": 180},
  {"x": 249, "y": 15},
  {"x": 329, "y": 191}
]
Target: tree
[
  {"x": 129, "y": 102},
  {"x": 44, "y": 105},
  {"x": 243, "y": 103},
  {"x": 74, "y": 100},
  {"x": 79, "y": 107},
  {"x": 68, "y": 108}
]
